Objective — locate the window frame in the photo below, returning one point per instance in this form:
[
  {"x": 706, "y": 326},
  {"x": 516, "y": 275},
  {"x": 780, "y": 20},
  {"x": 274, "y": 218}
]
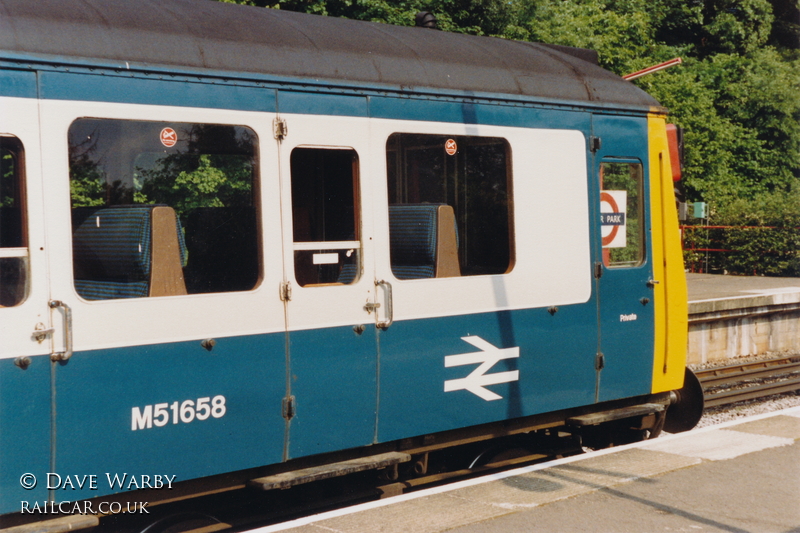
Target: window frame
[
  {"x": 340, "y": 245},
  {"x": 395, "y": 152},
  {"x": 255, "y": 200},
  {"x": 641, "y": 229},
  {"x": 17, "y": 150}
]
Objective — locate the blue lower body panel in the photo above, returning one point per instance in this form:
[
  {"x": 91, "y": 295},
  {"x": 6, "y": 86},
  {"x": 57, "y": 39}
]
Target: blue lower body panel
[
  {"x": 169, "y": 410},
  {"x": 555, "y": 367},
  {"x": 24, "y": 432},
  {"x": 627, "y": 333},
  {"x": 335, "y": 385},
  {"x": 179, "y": 411}
]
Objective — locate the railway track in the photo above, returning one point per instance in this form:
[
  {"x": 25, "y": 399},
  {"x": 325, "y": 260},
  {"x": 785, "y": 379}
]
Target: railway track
[{"x": 747, "y": 381}]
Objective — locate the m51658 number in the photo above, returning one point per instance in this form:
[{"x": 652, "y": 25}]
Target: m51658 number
[{"x": 187, "y": 411}]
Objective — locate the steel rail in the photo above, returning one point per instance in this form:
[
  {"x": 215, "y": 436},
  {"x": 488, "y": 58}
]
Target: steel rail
[{"x": 783, "y": 369}]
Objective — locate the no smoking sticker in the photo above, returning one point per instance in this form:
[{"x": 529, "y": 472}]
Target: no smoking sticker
[
  {"x": 450, "y": 147},
  {"x": 169, "y": 137}
]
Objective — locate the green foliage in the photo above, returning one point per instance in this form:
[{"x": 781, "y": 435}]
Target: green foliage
[
  {"x": 619, "y": 36},
  {"x": 786, "y": 29},
  {"x": 189, "y": 181},
  {"x": 741, "y": 118},
  {"x": 748, "y": 251},
  {"x": 87, "y": 182},
  {"x": 735, "y": 26},
  {"x": 628, "y": 178},
  {"x": 735, "y": 95},
  {"x": 212, "y": 172},
  {"x": 758, "y": 236},
  {"x": 479, "y": 17},
  {"x": 8, "y": 178}
]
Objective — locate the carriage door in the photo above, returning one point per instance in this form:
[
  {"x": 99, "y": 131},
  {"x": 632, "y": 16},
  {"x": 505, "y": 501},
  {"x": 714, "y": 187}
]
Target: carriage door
[
  {"x": 25, "y": 320},
  {"x": 625, "y": 357},
  {"x": 331, "y": 379}
]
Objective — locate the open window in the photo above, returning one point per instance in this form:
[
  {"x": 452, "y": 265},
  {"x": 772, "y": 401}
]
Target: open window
[
  {"x": 449, "y": 205},
  {"x": 163, "y": 208},
  {"x": 13, "y": 224},
  {"x": 325, "y": 221}
]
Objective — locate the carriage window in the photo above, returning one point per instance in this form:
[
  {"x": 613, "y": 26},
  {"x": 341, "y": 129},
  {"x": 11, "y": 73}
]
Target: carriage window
[
  {"x": 325, "y": 223},
  {"x": 621, "y": 214},
  {"x": 162, "y": 208},
  {"x": 449, "y": 205},
  {"x": 13, "y": 237}
]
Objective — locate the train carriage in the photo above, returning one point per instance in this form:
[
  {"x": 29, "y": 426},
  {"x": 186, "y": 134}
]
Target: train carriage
[{"x": 235, "y": 242}]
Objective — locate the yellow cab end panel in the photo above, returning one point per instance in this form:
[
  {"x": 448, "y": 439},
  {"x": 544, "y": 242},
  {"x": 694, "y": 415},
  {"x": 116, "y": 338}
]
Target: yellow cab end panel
[{"x": 670, "y": 294}]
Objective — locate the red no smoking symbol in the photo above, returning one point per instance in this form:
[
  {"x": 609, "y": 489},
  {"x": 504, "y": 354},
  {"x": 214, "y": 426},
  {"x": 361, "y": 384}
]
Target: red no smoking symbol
[
  {"x": 450, "y": 147},
  {"x": 169, "y": 137},
  {"x": 607, "y": 198}
]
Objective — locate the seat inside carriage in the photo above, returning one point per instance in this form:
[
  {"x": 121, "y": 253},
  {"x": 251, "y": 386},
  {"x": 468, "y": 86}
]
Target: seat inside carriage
[
  {"x": 128, "y": 252},
  {"x": 423, "y": 241}
]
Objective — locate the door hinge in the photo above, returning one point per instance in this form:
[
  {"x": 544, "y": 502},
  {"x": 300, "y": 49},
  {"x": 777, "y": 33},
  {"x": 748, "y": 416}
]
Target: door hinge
[
  {"x": 598, "y": 270},
  {"x": 286, "y": 291},
  {"x": 595, "y": 143},
  {"x": 280, "y": 129},
  {"x": 289, "y": 407},
  {"x": 599, "y": 361}
]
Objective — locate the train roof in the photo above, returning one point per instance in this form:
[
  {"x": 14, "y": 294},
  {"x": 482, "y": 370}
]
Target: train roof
[{"x": 186, "y": 35}]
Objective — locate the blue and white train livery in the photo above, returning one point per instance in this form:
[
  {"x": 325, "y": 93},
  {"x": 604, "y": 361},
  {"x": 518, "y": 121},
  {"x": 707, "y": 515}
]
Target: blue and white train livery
[{"x": 237, "y": 242}]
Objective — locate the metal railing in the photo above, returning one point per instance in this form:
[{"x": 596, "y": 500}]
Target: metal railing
[{"x": 744, "y": 250}]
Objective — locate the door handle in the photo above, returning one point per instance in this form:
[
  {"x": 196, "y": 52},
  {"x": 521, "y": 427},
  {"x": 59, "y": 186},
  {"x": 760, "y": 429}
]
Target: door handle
[
  {"x": 384, "y": 324},
  {"x": 67, "y": 353}
]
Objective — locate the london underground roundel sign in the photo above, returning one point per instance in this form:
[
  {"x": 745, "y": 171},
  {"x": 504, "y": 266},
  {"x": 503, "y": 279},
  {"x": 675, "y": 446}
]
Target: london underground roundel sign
[{"x": 612, "y": 218}]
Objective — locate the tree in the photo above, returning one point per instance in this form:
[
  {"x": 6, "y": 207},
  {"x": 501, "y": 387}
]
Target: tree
[
  {"x": 735, "y": 95},
  {"x": 213, "y": 171},
  {"x": 786, "y": 29},
  {"x": 479, "y": 17},
  {"x": 87, "y": 180}
]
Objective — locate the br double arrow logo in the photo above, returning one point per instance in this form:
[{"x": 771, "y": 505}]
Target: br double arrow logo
[{"x": 478, "y": 379}]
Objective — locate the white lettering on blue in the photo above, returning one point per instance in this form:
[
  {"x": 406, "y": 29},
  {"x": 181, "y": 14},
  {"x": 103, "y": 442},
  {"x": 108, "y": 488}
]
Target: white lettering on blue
[{"x": 186, "y": 411}]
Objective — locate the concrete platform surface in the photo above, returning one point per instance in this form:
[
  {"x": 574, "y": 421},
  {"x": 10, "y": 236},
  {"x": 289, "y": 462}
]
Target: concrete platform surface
[
  {"x": 739, "y": 477},
  {"x": 712, "y": 287}
]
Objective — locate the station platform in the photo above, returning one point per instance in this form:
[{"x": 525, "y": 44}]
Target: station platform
[
  {"x": 738, "y": 477},
  {"x": 735, "y": 316},
  {"x": 703, "y": 287}
]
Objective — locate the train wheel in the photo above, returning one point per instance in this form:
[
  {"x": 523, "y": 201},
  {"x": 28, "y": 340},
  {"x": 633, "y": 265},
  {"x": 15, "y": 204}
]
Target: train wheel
[{"x": 686, "y": 412}]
